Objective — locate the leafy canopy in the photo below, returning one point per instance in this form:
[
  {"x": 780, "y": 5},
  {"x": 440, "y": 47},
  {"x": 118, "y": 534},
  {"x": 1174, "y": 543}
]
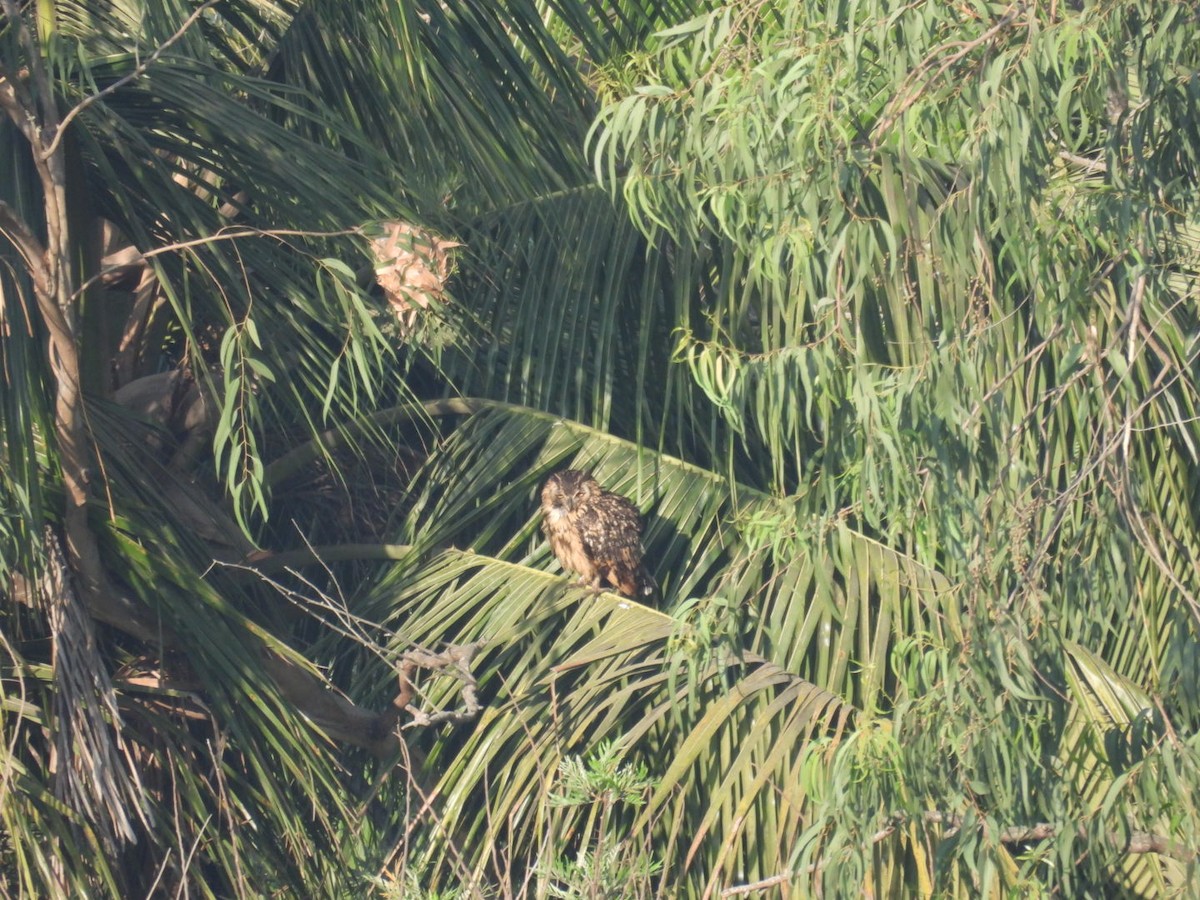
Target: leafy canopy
[{"x": 883, "y": 313}]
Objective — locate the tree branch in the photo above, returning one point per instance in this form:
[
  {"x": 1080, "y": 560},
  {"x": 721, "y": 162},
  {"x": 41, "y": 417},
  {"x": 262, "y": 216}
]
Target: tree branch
[
  {"x": 121, "y": 82},
  {"x": 330, "y": 710},
  {"x": 36, "y": 120},
  {"x": 1135, "y": 843},
  {"x": 227, "y": 233},
  {"x": 457, "y": 658},
  {"x": 13, "y": 227},
  {"x": 19, "y": 108},
  {"x": 49, "y": 267},
  {"x": 901, "y": 103},
  {"x": 259, "y": 563},
  {"x": 48, "y": 110}
]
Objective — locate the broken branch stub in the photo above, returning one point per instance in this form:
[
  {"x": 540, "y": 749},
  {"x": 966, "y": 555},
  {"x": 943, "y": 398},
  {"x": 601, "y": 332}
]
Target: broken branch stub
[{"x": 455, "y": 661}]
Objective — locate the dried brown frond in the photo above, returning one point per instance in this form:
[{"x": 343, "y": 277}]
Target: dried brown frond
[{"x": 412, "y": 267}]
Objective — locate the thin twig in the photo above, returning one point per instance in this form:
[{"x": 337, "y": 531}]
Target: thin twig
[
  {"x": 242, "y": 231},
  {"x": 429, "y": 798},
  {"x": 1089, "y": 166},
  {"x": 758, "y": 885},
  {"x": 964, "y": 48},
  {"x": 458, "y": 659},
  {"x": 121, "y": 82},
  {"x": 344, "y": 623}
]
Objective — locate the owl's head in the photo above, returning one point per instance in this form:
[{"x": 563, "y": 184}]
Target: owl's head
[{"x": 566, "y": 491}]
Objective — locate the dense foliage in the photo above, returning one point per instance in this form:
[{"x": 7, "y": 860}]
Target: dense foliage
[{"x": 883, "y": 312}]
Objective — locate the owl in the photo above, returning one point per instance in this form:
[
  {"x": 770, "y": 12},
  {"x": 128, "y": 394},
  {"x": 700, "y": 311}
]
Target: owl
[{"x": 595, "y": 533}]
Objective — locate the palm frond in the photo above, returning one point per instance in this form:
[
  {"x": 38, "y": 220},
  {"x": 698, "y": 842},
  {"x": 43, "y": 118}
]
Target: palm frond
[{"x": 739, "y": 648}]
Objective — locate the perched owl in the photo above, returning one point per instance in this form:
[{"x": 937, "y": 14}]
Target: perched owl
[{"x": 595, "y": 533}]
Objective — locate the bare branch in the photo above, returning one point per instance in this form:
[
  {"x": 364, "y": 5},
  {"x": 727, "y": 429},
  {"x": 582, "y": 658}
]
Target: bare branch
[
  {"x": 1090, "y": 166},
  {"x": 13, "y": 227},
  {"x": 36, "y": 119},
  {"x": 336, "y": 715},
  {"x": 1136, "y": 842},
  {"x": 919, "y": 81},
  {"x": 1136, "y": 296},
  {"x": 41, "y": 82},
  {"x": 236, "y": 232},
  {"x": 765, "y": 883},
  {"x": 121, "y": 82},
  {"x": 330, "y": 710},
  {"x": 456, "y": 658},
  {"x": 274, "y": 562},
  {"x": 18, "y": 105}
]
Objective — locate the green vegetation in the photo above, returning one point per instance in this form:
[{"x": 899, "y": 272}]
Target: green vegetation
[{"x": 884, "y": 313}]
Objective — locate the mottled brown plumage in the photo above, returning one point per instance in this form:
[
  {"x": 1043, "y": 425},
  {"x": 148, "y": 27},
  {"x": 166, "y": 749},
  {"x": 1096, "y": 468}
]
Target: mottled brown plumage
[{"x": 595, "y": 533}]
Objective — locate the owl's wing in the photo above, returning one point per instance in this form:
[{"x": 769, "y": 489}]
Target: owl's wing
[
  {"x": 609, "y": 526},
  {"x": 611, "y": 532}
]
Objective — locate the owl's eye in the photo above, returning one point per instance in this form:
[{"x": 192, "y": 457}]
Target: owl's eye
[{"x": 579, "y": 493}]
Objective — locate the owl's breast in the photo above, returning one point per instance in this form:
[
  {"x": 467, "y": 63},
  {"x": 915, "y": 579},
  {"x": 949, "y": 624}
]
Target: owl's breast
[{"x": 567, "y": 543}]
